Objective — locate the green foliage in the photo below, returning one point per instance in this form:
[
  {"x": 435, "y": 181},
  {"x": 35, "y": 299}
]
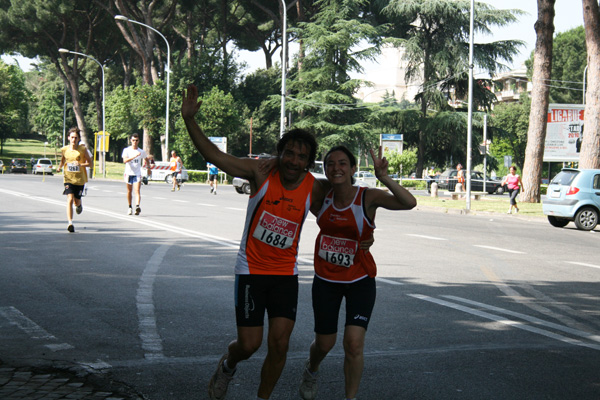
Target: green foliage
[
  {"x": 13, "y": 102},
  {"x": 401, "y": 163},
  {"x": 511, "y": 123},
  {"x": 569, "y": 58}
]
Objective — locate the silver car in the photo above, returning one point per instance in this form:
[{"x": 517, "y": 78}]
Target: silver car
[
  {"x": 573, "y": 195},
  {"x": 43, "y": 166}
]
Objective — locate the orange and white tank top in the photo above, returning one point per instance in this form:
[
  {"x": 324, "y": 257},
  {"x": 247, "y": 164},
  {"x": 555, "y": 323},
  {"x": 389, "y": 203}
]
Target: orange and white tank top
[
  {"x": 338, "y": 257},
  {"x": 274, "y": 220}
]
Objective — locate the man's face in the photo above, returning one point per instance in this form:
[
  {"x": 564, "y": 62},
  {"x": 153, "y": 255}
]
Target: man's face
[
  {"x": 134, "y": 142},
  {"x": 293, "y": 161}
]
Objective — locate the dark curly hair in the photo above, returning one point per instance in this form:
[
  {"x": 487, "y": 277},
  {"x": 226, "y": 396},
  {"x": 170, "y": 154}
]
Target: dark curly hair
[{"x": 301, "y": 137}]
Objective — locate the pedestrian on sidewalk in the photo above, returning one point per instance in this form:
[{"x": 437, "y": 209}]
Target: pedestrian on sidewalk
[{"x": 514, "y": 185}]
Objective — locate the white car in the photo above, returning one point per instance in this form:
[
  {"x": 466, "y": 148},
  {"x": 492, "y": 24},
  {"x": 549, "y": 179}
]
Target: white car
[
  {"x": 43, "y": 166},
  {"x": 161, "y": 171},
  {"x": 365, "y": 178}
]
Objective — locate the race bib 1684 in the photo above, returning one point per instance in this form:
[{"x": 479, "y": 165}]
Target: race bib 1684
[{"x": 275, "y": 231}]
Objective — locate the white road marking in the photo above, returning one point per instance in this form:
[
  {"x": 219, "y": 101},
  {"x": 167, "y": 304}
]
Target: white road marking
[
  {"x": 235, "y": 209},
  {"x": 206, "y": 205},
  {"x": 151, "y": 341},
  {"x": 529, "y": 318},
  {"x": 425, "y": 237},
  {"x": 583, "y": 264},
  {"x": 181, "y": 201},
  {"x": 33, "y": 330},
  {"x": 504, "y": 321},
  {"x": 159, "y": 198},
  {"x": 389, "y": 281},
  {"x": 499, "y": 249}
]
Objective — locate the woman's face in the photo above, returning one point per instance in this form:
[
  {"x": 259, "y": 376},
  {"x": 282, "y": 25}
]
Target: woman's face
[
  {"x": 512, "y": 171},
  {"x": 338, "y": 169}
]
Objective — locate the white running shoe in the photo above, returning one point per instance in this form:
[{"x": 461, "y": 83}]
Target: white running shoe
[
  {"x": 308, "y": 387},
  {"x": 219, "y": 382},
  {"x": 130, "y": 211}
]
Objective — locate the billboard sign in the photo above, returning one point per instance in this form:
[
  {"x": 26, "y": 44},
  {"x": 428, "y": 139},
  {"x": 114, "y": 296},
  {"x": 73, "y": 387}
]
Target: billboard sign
[
  {"x": 220, "y": 142},
  {"x": 564, "y": 132},
  {"x": 391, "y": 142}
]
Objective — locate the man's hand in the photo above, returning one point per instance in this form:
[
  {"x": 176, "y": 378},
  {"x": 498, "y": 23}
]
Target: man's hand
[{"x": 190, "y": 104}]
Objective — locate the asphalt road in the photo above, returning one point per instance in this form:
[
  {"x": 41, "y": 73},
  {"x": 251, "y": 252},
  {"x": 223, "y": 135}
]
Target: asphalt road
[{"x": 468, "y": 306}]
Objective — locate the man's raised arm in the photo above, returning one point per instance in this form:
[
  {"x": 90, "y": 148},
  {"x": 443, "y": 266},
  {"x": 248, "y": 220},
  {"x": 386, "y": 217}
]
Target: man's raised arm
[{"x": 244, "y": 168}]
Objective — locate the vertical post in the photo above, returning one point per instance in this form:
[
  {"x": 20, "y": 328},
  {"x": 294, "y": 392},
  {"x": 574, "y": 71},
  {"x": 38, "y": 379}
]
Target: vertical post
[
  {"x": 283, "y": 62},
  {"x": 470, "y": 118},
  {"x": 65, "y": 116},
  {"x": 584, "y": 82},
  {"x": 485, "y": 148}
]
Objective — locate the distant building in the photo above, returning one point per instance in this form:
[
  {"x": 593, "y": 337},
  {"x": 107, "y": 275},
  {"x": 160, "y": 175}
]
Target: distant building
[
  {"x": 388, "y": 77},
  {"x": 509, "y": 86}
]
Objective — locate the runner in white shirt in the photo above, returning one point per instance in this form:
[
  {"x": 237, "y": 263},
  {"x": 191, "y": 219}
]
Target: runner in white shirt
[{"x": 134, "y": 158}]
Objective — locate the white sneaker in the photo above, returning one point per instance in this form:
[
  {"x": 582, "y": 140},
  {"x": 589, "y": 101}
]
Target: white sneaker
[
  {"x": 130, "y": 211},
  {"x": 219, "y": 382},
  {"x": 308, "y": 387}
]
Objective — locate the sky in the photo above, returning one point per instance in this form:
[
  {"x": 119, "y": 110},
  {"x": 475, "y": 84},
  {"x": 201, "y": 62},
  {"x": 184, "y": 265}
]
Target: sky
[{"x": 569, "y": 14}]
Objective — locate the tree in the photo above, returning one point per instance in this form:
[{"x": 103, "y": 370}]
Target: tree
[
  {"x": 322, "y": 88},
  {"x": 590, "y": 146},
  {"x": 437, "y": 47},
  {"x": 143, "y": 41},
  {"x": 511, "y": 123},
  {"x": 40, "y": 27},
  {"x": 13, "y": 103},
  {"x": 536, "y": 135}
]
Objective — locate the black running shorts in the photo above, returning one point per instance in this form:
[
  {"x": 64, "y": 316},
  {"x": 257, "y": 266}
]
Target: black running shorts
[
  {"x": 277, "y": 294},
  {"x": 327, "y": 299}
]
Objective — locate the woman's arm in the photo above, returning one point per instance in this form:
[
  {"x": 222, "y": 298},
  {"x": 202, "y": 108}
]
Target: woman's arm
[{"x": 398, "y": 199}]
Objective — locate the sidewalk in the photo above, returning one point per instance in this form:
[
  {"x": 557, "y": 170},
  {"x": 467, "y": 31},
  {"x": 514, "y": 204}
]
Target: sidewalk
[{"x": 31, "y": 383}]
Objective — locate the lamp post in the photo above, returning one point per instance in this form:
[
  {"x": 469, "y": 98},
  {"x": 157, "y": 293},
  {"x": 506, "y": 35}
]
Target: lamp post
[
  {"x": 124, "y": 18},
  {"x": 103, "y": 109},
  {"x": 283, "y": 60},
  {"x": 470, "y": 111}
]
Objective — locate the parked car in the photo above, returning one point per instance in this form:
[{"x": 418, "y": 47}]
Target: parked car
[
  {"x": 42, "y": 166},
  {"x": 365, "y": 178},
  {"x": 241, "y": 185},
  {"x": 573, "y": 195},
  {"x": 161, "y": 171},
  {"x": 18, "y": 165},
  {"x": 448, "y": 180}
]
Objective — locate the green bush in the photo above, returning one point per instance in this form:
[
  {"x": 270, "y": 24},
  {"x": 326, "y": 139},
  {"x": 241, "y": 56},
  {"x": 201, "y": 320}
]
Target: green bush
[
  {"x": 198, "y": 176},
  {"x": 409, "y": 183}
]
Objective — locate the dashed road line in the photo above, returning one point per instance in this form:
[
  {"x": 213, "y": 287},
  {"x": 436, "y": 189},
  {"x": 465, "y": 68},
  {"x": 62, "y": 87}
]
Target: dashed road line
[
  {"x": 499, "y": 249},
  {"x": 583, "y": 264},
  {"x": 425, "y": 236}
]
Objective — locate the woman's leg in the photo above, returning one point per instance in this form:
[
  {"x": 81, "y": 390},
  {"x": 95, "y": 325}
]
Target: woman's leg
[{"x": 354, "y": 344}]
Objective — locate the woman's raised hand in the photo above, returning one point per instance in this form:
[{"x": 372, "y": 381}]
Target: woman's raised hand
[{"x": 380, "y": 164}]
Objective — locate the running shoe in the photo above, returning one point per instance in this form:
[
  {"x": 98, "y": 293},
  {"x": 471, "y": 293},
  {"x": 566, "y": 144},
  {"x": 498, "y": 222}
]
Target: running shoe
[
  {"x": 219, "y": 382},
  {"x": 130, "y": 211},
  {"x": 79, "y": 209},
  {"x": 138, "y": 210},
  {"x": 71, "y": 228},
  {"x": 212, "y": 189},
  {"x": 308, "y": 387}
]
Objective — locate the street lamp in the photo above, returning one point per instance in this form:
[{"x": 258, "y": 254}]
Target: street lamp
[
  {"x": 283, "y": 59},
  {"x": 124, "y": 18},
  {"x": 103, "y": 109},
  {"x": 470, "y": 108}
]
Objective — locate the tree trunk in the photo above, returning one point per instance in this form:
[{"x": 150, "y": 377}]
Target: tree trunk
[
  {"x": 538, "y": 118},
  {"x": 590, "y": 145}
]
